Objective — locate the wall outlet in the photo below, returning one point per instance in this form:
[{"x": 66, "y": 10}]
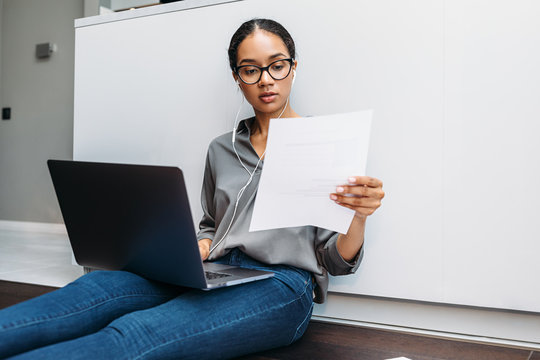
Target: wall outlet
[
  {"x": 6, "y": 113},
  {"x": 45, "y": 50}
]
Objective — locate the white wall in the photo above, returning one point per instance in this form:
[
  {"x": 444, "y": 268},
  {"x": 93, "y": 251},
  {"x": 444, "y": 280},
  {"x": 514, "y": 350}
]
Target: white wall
[
  {"x": 40, "y": 93},
  {"x": 430, "y": 69}
]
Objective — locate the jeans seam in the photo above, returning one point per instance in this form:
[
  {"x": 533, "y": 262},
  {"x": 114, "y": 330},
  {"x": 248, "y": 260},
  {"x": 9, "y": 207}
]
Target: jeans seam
[
  {"x": 308, "y": 316},
  {"x": 13, "y": 326},
  {"x": 220, "y": 326}
]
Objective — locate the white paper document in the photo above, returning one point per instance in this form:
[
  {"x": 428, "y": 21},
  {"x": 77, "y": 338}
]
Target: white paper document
[{"x": 306, "y": 158}]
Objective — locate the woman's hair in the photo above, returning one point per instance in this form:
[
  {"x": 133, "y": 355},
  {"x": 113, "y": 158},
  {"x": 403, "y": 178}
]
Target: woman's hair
[{"x": 249, "y": 27}]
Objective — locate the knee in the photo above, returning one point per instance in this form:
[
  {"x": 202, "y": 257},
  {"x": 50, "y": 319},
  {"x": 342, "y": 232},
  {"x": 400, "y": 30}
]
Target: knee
[
  {"x": 103, "y": 276},
  {"x": 124, "y": 282},
  {"x": 106, "y": 279}
]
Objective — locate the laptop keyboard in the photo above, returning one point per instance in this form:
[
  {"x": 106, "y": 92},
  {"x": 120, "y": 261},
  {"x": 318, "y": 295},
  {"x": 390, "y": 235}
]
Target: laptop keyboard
[{"x": 210, "y": 275}]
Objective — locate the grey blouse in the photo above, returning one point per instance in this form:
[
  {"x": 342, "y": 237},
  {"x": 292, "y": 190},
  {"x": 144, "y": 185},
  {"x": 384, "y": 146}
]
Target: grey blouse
[{"x": 307, "y": 247}]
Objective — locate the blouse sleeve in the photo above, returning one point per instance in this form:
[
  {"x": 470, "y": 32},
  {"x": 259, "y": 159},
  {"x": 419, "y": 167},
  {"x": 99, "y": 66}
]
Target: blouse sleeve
[
  {"x": 207, "y": 225},
  {"x": 330, "y": 258}
]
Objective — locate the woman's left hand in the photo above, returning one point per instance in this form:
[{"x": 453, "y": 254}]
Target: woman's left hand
[{"x": 363, "y": 194}]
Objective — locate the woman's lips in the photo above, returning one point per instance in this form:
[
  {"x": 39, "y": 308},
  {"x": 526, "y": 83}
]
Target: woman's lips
[{"x": 268, "y": 97}]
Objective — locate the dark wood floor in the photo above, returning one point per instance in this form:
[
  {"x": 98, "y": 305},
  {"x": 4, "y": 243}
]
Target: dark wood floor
[{"x": 329, "y": 341}]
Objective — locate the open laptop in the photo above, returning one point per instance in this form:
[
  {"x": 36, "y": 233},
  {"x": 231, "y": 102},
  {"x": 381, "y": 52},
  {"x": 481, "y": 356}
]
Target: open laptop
[{"x": 136, "y": 218}]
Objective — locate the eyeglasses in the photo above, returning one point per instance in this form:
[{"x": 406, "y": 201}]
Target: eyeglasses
[{"x": 278, "y": 70}]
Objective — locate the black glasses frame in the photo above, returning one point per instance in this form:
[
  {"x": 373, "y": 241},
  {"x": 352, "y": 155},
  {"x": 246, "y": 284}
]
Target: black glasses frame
[{"x": 266, "y": 68}]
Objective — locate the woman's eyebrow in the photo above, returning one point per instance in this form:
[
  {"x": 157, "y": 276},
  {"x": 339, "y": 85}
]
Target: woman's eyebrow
[
  {"x": 254, "y": 61},
  {"x": 277, "y": 55},
  {"x": 247, "y": 61}
]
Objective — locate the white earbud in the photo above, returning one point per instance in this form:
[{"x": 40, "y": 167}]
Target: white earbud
[
  {"x": 240, "y": 87},
  {"x": 293, "y": 77}
]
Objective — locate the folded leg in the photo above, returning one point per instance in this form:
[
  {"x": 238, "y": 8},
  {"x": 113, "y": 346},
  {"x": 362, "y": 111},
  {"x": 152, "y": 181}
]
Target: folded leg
[
  {"x": 80, "y": 308},
  {"x": 222, "y": 323}
]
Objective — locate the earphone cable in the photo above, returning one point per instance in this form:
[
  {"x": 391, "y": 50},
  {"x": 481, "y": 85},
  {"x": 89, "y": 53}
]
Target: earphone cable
[{"x": 241, "y": 192}]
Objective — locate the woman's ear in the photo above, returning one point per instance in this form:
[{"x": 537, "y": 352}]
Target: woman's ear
[
  {"x": 294, "y": 73},
  {"x": 235, "y": 77},
  {"x": 237, "y": 81}
]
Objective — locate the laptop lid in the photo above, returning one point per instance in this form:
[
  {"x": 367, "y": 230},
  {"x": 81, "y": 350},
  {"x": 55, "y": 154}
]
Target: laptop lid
[{"x": 131, "y": 217}]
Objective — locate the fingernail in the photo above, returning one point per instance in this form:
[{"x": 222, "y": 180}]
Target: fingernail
[
  {"x": 340, "y": 189},
  {"x": 333, "y": 197},
  {"x": 352, "y": 180}
]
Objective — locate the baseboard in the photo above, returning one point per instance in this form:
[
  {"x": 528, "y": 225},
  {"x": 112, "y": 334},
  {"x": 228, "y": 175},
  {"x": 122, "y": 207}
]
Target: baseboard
[
  {"x": 49, "y": 228},
  {"x": 432, "y": 333}
]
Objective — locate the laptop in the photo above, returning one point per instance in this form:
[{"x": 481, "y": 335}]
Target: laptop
[{"x": 137, "y": 218}]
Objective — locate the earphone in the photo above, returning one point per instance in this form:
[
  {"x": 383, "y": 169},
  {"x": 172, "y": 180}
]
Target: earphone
[{"x": 251, "y": 173}]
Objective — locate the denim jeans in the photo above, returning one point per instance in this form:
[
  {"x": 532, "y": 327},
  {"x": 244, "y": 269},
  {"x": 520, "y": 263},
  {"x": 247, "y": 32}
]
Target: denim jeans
[{"x": 119, "y": 315}]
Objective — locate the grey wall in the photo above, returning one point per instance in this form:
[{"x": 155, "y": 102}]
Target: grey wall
[
  {"x": 91, "y": 8},
  {"x": 40, "y": 93},
  {"x": 1, "y": 16},
  {"x": 126, "y": 4}
]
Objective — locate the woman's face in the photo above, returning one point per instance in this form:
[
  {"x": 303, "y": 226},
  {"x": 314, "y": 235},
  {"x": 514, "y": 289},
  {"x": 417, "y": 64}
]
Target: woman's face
[{"x": 262, "y": 48}]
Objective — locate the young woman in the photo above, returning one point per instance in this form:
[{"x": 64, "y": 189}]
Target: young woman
[{"x": 119, "y": 315}]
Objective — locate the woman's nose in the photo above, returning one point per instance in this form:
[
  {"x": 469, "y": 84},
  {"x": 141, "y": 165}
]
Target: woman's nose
[{"x": 265, "y": 78}]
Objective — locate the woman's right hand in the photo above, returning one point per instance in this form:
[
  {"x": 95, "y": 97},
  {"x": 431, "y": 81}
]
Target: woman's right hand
[{"x": 204, "y": 248}]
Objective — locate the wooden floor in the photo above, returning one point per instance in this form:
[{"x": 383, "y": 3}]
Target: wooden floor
[{"x": 329, "y": 341}]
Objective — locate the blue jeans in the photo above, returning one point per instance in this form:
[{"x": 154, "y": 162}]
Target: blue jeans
[{"x": 119, "y": 315}]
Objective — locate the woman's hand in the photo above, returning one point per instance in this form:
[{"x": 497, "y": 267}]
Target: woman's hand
[
  {"x": 363, "y": 194},
  {"x": 204, "y": 248}
]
